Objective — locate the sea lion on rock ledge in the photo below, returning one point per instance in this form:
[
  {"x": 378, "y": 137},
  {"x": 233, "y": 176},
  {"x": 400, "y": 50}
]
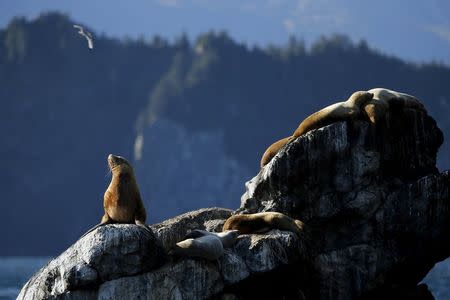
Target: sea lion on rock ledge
[
  {"x": 341, "y": 111},
  {"x": 122, "y": 201},
  {"x": 204, "y": 244},
  {"x": 383, "y": 100},
  {"x": 263, "y": 222},
  {"x": 273, "y": 150}
]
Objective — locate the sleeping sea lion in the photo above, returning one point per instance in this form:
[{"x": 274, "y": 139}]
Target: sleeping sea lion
[
  {"x": 385, "y": 99},
  {"x": 273, "y": 150},
  {"x": 263, "y": 222},
  {"x": 204, "y": 244},
  {"x": 341, "y": 111}
]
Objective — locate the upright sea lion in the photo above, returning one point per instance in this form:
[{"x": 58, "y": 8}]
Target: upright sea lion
[
  {"x": 341, "y": 111},
  {"x": 204, "y": 244},
  {"x": 273, "y": 150},
  {"x": 263, "y": 222},
  {"x": 122, "y": 201},
  {"x": 385, "y": 99}
]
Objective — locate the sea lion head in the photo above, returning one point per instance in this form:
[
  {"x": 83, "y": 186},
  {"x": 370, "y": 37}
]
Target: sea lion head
[
  {"x": 119, "y": 165},
  {"x": 228, "y": 237},
  {"x": 360, "y": 98}
]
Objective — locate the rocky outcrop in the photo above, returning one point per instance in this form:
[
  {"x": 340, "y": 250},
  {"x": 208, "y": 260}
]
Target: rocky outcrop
[
  {"x": 107, "y": 253},
  {"x": 376, "y": 211},
  {"x": 100, "y": 265}
]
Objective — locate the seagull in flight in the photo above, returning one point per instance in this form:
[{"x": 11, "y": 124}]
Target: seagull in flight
[{"x": 86, "y": 34}]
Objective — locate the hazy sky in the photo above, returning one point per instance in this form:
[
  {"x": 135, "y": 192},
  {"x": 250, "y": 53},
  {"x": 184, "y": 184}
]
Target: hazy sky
[{"x": 412, "y": 29}]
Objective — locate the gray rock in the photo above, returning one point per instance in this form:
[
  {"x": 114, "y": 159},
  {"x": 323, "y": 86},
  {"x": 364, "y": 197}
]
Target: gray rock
[
  {"x": 174, "y": 230},
  {"x": 109, "y": 252},
  {"x": 375, "y": 204},
  {"x": 200, "y": 279}
]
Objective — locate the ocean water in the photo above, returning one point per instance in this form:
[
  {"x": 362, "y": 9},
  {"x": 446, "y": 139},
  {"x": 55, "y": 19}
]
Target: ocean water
[{"x": 15, "y": 272}]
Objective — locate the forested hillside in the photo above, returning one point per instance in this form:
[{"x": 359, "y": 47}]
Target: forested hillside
[{"x": 164, "y": 105}]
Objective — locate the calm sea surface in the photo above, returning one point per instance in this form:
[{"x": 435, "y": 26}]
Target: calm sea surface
[{"x": 15, "y": 271}]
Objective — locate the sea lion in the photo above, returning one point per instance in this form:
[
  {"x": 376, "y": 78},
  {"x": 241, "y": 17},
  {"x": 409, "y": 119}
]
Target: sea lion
[
  {"x": 273, "y": 150},
  {"x": 208, "y": 247},
  {"x": 204, "y": 244},
  {"x": 263, "y": 222},
  {"x": 370, "y": 106},
  {"x": 122, "y": 201},
  {"x": 385, "y": 99},
  {"x": 226, "y": 237},
  {"x": 341, "y": 111}
]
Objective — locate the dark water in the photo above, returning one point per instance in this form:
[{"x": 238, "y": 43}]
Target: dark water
[{"x": 15, "y": 271}]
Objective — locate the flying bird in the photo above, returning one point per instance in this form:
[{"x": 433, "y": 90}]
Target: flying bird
[{"x": 86, "y": 34}]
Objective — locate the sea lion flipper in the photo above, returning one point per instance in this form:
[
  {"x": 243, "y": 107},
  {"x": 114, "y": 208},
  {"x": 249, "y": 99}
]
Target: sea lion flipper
[
  {"x": 196, "y": 233},
  {"x": 143, "y": 225}
]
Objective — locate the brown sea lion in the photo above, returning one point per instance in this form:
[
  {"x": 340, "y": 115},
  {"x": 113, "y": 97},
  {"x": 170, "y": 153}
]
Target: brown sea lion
[
  {"x": 273, "y": 150},
  {"x": 122, "y": 201},
  {"x": 341, "y": 111},
  {"x": 384, "y": 99},
  {"x": 263, "y": 222}
]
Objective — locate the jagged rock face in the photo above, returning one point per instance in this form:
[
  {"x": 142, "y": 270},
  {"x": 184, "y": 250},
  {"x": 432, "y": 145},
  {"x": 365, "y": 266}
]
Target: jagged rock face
[
  {"x": 174, "y": 230},
  {"x": 374, "y": 222},
  {"x": 339, "y": 161},
  {"x": 110, "y": 252},
  {"x": 101, "y": 263},
  {"x": 199, "y": 279}
]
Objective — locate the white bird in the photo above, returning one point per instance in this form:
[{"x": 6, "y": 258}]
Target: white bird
[{"x": 86, "y": 34}]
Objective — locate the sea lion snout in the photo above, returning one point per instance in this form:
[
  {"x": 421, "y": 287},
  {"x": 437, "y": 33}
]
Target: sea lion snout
[{"x": 115, "y": 160}]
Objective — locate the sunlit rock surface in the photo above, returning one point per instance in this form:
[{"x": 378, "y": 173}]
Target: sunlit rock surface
[
  {"x": 97, "y": 261},
  {"x": 109, "y": 252}
]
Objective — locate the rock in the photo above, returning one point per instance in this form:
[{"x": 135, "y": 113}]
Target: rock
[
  {"x": 174, "y": 230},
  {"x": 109, "y": 252},
  {"x": 376, "y": 206},
  {"x": 200, "y": 279},
  {"x": 117, "y": 249}
]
